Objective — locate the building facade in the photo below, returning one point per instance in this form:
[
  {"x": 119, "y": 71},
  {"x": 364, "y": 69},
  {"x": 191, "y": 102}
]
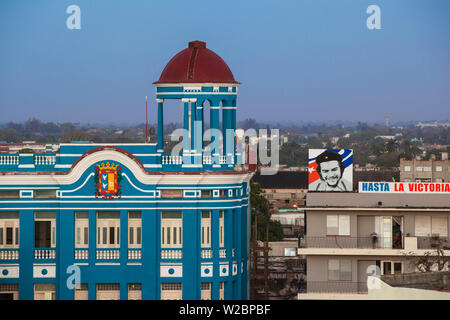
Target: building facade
[
  {"x": 350, "y": 236},
  {"x": 431, "y": 170},
  {"x": 128, "y": 221},
  {"x": 285, "y": 189}
]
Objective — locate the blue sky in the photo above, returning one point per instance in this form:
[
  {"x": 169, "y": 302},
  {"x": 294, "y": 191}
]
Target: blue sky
[{"x": 299, "y": 60}]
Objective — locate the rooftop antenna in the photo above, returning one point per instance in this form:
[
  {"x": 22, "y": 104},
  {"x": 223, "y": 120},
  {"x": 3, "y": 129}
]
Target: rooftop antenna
[{"x": 146, "y": 122}]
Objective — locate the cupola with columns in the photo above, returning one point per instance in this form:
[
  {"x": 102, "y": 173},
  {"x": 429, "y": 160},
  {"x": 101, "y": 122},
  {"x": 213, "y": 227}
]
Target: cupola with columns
[{"x": 196, "y": 75}]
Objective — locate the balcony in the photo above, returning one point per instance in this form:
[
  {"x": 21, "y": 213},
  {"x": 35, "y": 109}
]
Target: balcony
[
  {"x": 107, "y": 254},
  {"x": 134, "y": 254},
  {"x": 433, "y": 243},
  {"x": 9, "y": 254},
  {"x": 350, "y": 242},
  {"x": 44, "y": 254},
  {"x": 206, "y": 254},
  {"x": 171, "y": 254},
  {"x": 9, "y": 160},
  {"x": 81, "y": 254}
]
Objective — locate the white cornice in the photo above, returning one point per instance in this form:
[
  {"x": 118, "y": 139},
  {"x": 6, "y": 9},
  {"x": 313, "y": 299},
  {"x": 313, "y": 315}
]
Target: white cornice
[{"x": 118, "y": 157}]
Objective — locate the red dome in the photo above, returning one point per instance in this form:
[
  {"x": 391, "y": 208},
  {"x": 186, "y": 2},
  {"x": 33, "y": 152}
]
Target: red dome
[{"x": 196, "y": 64}]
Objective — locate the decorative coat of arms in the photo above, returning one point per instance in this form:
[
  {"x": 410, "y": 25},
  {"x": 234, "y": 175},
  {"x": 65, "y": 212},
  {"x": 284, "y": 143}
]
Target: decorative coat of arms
[{"x": 107, "y": 181}]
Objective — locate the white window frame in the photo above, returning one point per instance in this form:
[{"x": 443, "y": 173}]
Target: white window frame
[
  {"x": 171, "y": 231},
  {"x": 222, "y": 228},
  {"x": 171, "y": 291},
  {"x": 205, "y": 289},
  {"x": 134, "y": 291},
  {"x": 134, "y": 228},
  {"x": 430, "y": 228},
  {"x": 221, "y": 290},
  {"x": 340, "y": 222},
  {"x": 105, "y": 293},
  {"x": 205, "y": 232},
  {"x": 14, "y": 224},
  {"x": 340, "y": 263},
  {"x": 52, "y": 228},
  {"x": 47, "y": 294},
  {"x": 108, "y": 223},
  {"x": 382, "y": 262},
  {"x": 81, "y": 232}
]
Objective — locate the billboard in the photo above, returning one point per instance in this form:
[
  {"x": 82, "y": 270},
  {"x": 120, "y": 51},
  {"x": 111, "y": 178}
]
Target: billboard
[
  {"x": 330, "y": 170},
  {"x": 404, "y": 187}
]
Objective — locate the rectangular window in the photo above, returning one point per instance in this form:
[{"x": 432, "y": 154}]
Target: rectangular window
[
  {"x": 206, "y": 290},
  {"x": 171, "y": 229},
  {"x": 221, "y": 290},
  {"x": 222, "y": 193},
  {"x": 134, "y": 291},
  {"x": 407, "y": 168},
  {"x": 134, "y": 229},
  {"x": 9, "y": 291},
  {"x": 339, "y": 270},
  {"x": 206, "y": 193},
  {"x": 44, "y": 291},
  {"x": 81, "y": 229},
  {"x": 438, "y": 168},
  {"x": 108, "y": 291},
  {"x": 9, "y": 194},
  {"x": 206, "y": 229},
  {"x": 9, "y": 229},
  {"x": 171, "y": 193},
  {"x": 108, "y": 229},
  {"x": 221, "y": 228},
  {"x": 45, "y": 194},
  {"x": 391, "y": 267},
  {"x": 81, "y": 293},
  {"x": 338, "y": 225},
  {"x": 439, "y": 226},
  {"x": 398, "y": 267},
  {"x": 45, "y": 229},
  {"x": 427, "y": 226},
  {"x": 171, "y": 291}
]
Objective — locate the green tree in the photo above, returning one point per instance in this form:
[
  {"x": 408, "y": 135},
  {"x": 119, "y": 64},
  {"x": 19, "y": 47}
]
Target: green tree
[{"x": 261, "y": 209}]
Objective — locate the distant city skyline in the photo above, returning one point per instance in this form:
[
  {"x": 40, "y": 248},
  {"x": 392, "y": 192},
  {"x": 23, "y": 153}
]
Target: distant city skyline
[{"x": 298, "y": 61}]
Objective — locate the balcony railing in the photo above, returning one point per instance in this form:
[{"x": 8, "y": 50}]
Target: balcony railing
[
  {"x": 108, "y": 254},
  {"x": 207, "y": 159},
  {"x": 81, "y": 254},
  {"x": 171, "y": 160},
  {"x": 335, "y": 287},
  {"x": 433, "y": 243},
  {"x": 223, "y": 253},
  {"x": 350, "y": 242},
  {"x": 45, "y": 254},
  {"x": 9, "y": 159},
  {"x": 171, "y": 254},
  {"x": 9, "y": 254},
  {"x": 206, "y": 254},
  {"x": 134, "y": 254},
  {"x": 44, "y": 160}
]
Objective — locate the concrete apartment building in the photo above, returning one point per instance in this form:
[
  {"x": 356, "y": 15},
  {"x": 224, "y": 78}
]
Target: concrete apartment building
[
  {"x": 339, "y": 246},
  {"x": 431, "y": 170}
]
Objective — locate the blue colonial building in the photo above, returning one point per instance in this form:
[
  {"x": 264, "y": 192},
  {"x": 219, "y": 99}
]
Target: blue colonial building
[{"x": 129, "y": 221}]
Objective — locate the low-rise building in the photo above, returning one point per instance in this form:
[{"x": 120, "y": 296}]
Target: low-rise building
[
  {"x": 431, "y": 170},
  {"x": 285, "y": 189},
  {"x": 352, "y": 235}
]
